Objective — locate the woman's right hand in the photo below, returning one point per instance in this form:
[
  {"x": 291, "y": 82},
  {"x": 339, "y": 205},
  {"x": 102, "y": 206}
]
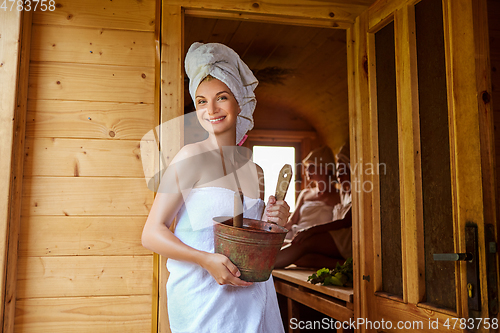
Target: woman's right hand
[{"x": 223, "y": 270}]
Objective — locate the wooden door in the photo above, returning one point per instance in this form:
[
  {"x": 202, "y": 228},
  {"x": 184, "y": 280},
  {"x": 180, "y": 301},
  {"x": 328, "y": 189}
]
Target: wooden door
[{"x": 421, "y": 167}]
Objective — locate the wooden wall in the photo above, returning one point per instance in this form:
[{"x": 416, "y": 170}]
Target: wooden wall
[
  {"x": 494, "y": 31},
  {"x": 81, "y": 265}
]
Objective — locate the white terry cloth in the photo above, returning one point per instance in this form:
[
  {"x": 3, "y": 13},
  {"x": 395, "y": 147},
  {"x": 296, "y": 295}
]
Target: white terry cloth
[
  {"x": 224, "y": 64},
  {"x": 196, "y": 302},
  {"x": 312, "y": 213}
]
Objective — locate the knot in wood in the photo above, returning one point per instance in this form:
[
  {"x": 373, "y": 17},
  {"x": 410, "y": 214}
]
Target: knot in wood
[{"x": 486, "y": 97}]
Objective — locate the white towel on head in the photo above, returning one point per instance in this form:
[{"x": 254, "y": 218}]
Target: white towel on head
[{"x": 224, "y": 64}]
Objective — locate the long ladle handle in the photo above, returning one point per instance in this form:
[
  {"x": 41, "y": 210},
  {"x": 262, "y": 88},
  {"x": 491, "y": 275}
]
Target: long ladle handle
[
  {"x": 283, "y": 182},
  {"x": 238, "y": 196}
]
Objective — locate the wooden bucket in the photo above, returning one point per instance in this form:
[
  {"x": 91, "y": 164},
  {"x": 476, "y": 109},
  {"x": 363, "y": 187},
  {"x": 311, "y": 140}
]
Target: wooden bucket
[{"x": 253, "y": 248}]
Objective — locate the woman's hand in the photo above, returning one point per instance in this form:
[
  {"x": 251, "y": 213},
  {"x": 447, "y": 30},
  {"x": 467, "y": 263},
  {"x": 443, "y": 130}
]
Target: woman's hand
[
  {"x": 223, "y": 270},
  {"x": 277, "y": 211}
]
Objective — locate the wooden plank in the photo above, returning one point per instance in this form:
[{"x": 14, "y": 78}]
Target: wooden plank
[
  {"x": 81, "y": 236},
  {"x": 340, "y": 10},
  {"x": 84, "y": 276},
  {"x": 91, "y": 82},
  {"x": 10, "y": 50},
  {"x": 336, "y": 310},
  {"x": 464, "y": 140},
  {"x": 352, "y": 91},
  {"x": 92, "y": 46},
  {"x": 486, "y": 131},
  {"x": 293, "y": 312},
  {"x": 16, "y": 141},
  {"x": 256, "y": 17},
  {"x": 360, "y": 131},
  {"x": 86, "y": 196},
  {"x": 85, "y": 314},
  {"x": 171, "y": 107},
  {"x": 381, "y": 12},
  {"x": 82, "y": 158},
  {"x": 371, "y": 139},
  {"x": 412, "y": 314},
  {"x": 409, "y": 143},
  {"x": 125, "y": 14},
  {"x": 300, "y": 277},
  {"x": 156, "y": 257},
  {"x": 90, "y": 120}
]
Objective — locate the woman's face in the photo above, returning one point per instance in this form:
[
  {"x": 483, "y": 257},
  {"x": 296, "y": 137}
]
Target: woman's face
[
  {"x": 216, "y": 108},
  {"x": 316, "y": 173}
]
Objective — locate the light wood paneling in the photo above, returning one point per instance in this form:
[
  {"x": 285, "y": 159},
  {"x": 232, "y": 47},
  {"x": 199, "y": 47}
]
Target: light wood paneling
[
  {"x": 84, "y": 315},
  {"x": 82, "y": 157},
  {"x": 91, "y": 82},
  {"x": 91, "y": 100},
  {"x": 84, "y": 276},
  {"x": 86, "y": 196},
  {"x": 81, "y": 236},
  {"x": 93, "y": 120},
  {"x": 124, "y": 14},
  {"x": 92, "y": 46}
]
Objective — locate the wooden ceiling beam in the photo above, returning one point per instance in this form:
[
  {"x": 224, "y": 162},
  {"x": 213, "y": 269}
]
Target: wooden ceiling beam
[
  {"x": 333, "y": 14},
  {"x": 254, "y": 17}
]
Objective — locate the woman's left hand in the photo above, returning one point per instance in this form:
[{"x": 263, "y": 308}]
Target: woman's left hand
[{"x": 276, "y": 211}]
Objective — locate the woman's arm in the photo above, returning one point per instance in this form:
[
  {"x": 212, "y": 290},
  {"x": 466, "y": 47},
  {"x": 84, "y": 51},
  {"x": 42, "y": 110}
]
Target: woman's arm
[
  {"x": 346, "y": 222},
  {"x": 157, "y": 237}
]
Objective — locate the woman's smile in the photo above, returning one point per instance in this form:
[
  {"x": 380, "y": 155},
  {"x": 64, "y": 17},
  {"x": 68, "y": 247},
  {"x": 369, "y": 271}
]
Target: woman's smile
[{"x": 216, "y": 120}]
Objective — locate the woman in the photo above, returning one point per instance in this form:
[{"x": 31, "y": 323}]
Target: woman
[
  {"x": 325, "y": 242},
  {"x": 203, "y": 290},
  {"x": 315, "y": 203}
]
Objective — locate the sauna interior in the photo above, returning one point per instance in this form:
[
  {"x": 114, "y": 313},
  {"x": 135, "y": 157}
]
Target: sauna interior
[{"x": 80, "y": 85}]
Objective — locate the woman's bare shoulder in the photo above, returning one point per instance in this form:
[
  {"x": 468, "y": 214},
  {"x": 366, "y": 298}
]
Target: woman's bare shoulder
[
  {"x": 307, "y": 193},
  {"x": 189, "y": 151}
]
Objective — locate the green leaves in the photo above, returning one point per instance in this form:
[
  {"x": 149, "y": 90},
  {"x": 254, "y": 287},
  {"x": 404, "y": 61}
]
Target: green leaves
[{"x": 339, "y": 276}]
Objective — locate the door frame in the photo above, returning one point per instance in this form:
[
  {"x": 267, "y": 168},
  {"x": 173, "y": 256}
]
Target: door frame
[
  {"x": 314, "y": 13},
  {"x": 15, "y": 55}
]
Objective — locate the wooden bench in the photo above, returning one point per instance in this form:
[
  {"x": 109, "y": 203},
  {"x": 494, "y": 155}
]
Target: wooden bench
[{"x": 335, "y": 302}]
